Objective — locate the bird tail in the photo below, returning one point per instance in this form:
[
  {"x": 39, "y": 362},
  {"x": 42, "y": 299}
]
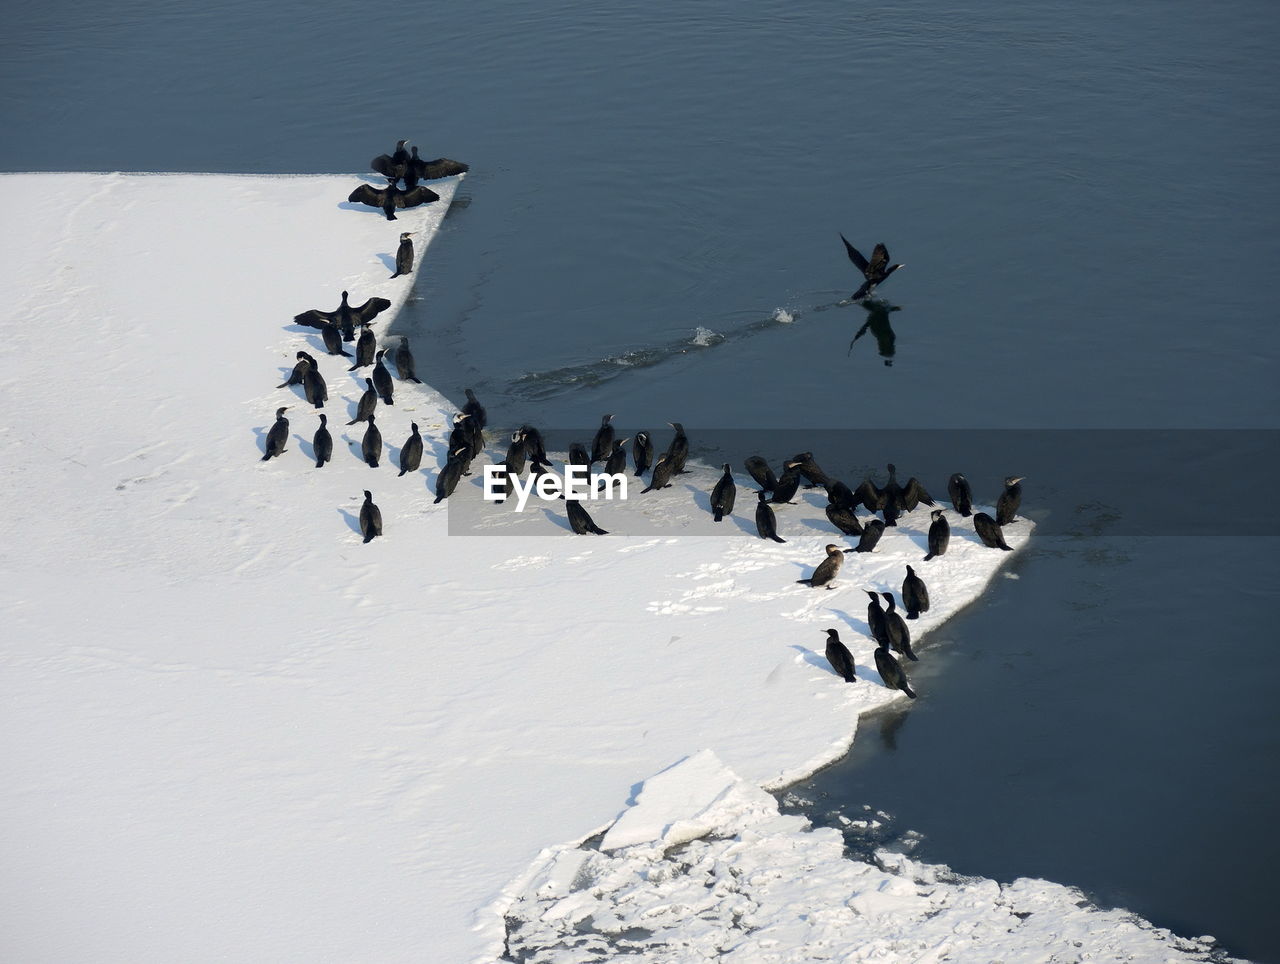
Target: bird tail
[
  {"x": 777, "y": 539},
  {"x": 369, "y": 538},
  {"x": 438, "y": 500},
  {"x": 397, "y": 274},
  {"x": 719, "y": 516},
  {"x": 913, "y": 615},
  {"x": 415, "y": 378},
  {"x": 805, "y": 582},
  {"x": 929, "y": 556},
  {"x": 319, "y": 463},
  {"x": 906, "y": 688},
  {"x": 402, "y": 472}
]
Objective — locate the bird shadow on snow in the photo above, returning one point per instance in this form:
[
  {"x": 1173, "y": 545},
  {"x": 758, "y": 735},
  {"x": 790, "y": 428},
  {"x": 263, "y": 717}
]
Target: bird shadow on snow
[
  {"x": 856, "y": 624},
  {"x": 308, "y": 449},
  {"x": 388, "y": 261},
  {"x": 560, "y": 520},
  {"x": 260, "y": 434},
  {"x": 353, "y": 520}
]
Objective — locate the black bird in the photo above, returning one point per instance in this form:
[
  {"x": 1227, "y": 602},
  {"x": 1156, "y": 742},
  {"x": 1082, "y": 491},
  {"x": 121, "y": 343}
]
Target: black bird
[
  {"x": 661, "y": 477},
  {"x": 788, "y": 485},
  {"x": 827, "y": 570},
  {"x": 580, "y": 521},
  {"x": 723, "y": 495},
  {"x": 939, "y": 534},
  {"x": 533, "y": 443},
  {"x": 915, "y": 594},
  {"x": 616, "y": 463},
  {"x": 517, "y": 454},
  {"x": 366, "y": 348},
  {"x": 434, "y": 169},
  {"x": 875, "y": 271},
  {"x": 394, "y": 164},
  {"x": 295, "y": 376},
  {"x": 642, "y": 452},
  {"x": 899, "y": 634},
  {"x": 891, "y": 672},
  {"x": 602, "y": 444},
  {"x": 988, "y": 531},
  {"x": 766, "y": 522},
  {"x": 448, "y": 478},
  {"x": 473, "y": 409},
  {"x": 871, "y": 534},
  {"x": 904, "y": 498},
  {"x": 1010, "y": 500},
  {"x": 322, "y": 442},
  {"x": 345, "y": 317},
  {"x": 371, "y": 444},
  {"x": 404, "y": 362},
  {"x": 844, "y": 519},
  {"x": 876, "y": 624},
  {"x": 392, "y": 197},
  {"x": 841, "y": 495},
  {"x": 370, "y": 518},
  {"x": 814, "y": 475},
  {"x": 278, "y": 435},
  {"x": 839, "y": 657},
  {"x": 368, "y": 403},
  {"x": 382, "y": 378},
  {"x": 578, "y": 455},
  {"x": 761, "y": 472},
  {"x": 332, "y": 339},
  {"x": 960, "y": 494},
  {"x": 404, "y": 255},
  {"x": 411, "y": 451},
  {"x": 461, "y": 441},
  {"x": 313, "y": 386},
  {"x": 678, "y": 450}
]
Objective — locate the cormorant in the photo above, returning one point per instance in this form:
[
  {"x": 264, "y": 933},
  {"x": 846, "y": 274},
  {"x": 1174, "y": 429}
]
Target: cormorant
[
  {"x": 839, "y": 657},
  {"x": 988, "y": 531},
  {"x": 1010, "y": 500},
  {"x": 875, "y": 271}
]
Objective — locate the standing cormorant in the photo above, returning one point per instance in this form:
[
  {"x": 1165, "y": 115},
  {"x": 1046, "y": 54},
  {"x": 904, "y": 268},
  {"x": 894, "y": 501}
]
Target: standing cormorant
[
  {"x": 723, "y": 495},
  {"x": 827, "y": 570},
  {"x": 891, "y": 671},
  {"x": 602, "y": 444},
  {"x": 875, "y": 271},
  {"x": 368, "y": 403},
  {"x": 642, "y": 452},
  {"x": 1010, "y": 500},
  {"x": 896, "y": 626},
  {"x": 961, "y": 495},
  {"x": 871, "y": 533},
  {"x": 345, "y": 317},
  {"x": 939, "y": 534},
  {"x": 787, "y": 485},
  {"x": 766, "y": 521},
  {"x": 366, "y": 348},
  {"x": 371, "y": 444},
  {"x": 475, "y": 410},
  {"x": 678, "y": 450},
  {"x": 839, "y": 657},
  {"x": 382, "y": 378},
  {"x": 404, "y": 254},
  {"x": 404, "y": 362},
  {"x": 322, "y": 442},
  {"x": 411, "y": 451},
  {"x": 278, "y": 435},
  {"x": 580, "y": 521},
  {"x": 915, "y": 594},
  {"x": 661, "y": 477},
  {"x": 370, "y": 518}
]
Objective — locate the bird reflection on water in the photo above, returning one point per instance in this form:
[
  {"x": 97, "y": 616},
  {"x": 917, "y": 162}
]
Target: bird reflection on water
[{"x": 878, "y": 324}]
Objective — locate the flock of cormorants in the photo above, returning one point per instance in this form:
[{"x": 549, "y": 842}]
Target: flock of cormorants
[{"x": 527, "y": 449}]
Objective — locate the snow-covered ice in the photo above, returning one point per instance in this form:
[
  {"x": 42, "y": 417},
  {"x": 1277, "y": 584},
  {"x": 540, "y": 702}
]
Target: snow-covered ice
[{"x": 235, "y": 731}]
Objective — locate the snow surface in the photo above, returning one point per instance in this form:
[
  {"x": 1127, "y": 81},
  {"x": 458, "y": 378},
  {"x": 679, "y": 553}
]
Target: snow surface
[{"x": 233, "y": 731}]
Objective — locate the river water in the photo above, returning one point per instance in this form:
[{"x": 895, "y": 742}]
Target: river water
[{"x": 1085, "y": 198}]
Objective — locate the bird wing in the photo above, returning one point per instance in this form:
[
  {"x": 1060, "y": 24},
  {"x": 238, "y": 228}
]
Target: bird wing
[
  {"x": 855, "y": 255},
  {"x": 315, "y": 318},
  {"x": 368, "y": 194},
  {"x": 383, "y": 164},
  {"x": 879, "y": 260},
  {"x": 419, "y": 195},
  {"x": 868, "y": 495},
  {"x": 915, "y": 493},
  {"x": 371, "y": 309},
  {"x": 440, "y": 167}
]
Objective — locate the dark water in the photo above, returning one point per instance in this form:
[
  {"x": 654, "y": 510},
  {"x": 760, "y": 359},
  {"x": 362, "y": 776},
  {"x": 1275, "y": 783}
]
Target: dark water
[{"x": 1086, "y": 201}]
